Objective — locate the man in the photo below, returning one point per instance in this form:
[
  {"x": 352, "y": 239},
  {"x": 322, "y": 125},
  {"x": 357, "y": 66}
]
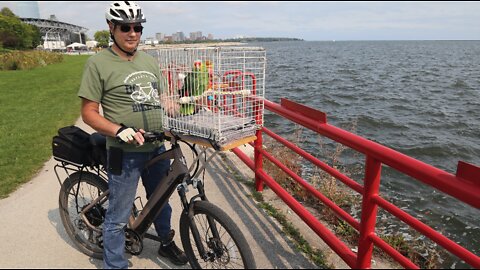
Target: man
[{"x": 125, "y": 82}]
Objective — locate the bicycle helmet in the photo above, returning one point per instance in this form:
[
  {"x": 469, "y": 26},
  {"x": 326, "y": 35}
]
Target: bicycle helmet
[{"x": 124, "y": 12}]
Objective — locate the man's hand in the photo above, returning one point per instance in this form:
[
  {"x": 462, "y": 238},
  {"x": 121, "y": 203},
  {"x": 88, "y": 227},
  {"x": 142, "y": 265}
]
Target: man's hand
[
  {"x": 170, "y": 106},
  {"x": 129, "y": 135}
]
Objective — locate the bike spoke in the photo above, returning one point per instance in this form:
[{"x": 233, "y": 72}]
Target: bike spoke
[
  {"x": 78, "y": 197},
  {"x": 231, "y": 257}
]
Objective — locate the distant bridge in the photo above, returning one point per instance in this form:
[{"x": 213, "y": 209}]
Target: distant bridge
[{"x": 56, "y": 35}]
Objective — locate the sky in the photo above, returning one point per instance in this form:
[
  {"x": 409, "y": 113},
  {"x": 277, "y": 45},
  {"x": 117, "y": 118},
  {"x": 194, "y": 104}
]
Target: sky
[{"x": 305, "y": 20}]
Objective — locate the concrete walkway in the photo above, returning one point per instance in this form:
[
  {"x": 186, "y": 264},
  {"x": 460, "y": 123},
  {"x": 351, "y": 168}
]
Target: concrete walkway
[{"x": 32, "y": 235}]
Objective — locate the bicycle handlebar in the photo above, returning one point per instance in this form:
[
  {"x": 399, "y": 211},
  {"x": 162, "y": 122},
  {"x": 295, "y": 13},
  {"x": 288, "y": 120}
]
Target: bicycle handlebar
[
  {"x": 175, "y": 137},
  {"x": 155, "y": 136},
  {"x": 150, "y": 136}
]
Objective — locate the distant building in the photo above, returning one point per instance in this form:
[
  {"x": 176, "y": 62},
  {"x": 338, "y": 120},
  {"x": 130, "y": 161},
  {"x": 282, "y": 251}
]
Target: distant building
[
  {"x": 149, "y": 41},
  {"x": 196, "y": 35},
  {"x": 159, "y": 36},
  {"x": 179, "y": 36},
  {"x": 91, "y": 44},
  {"x": 54, "y": 45},
  {"x": 55, "y": 34}
]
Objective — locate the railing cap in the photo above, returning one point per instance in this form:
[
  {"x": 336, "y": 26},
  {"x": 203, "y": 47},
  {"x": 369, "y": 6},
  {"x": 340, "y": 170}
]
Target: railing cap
[
  {"x": 468, "y": 172},
  {"x": 311, "y": 113}
]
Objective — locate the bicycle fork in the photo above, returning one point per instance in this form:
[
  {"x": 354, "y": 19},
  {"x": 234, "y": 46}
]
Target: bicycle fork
[{"x": 188, "y": 209}]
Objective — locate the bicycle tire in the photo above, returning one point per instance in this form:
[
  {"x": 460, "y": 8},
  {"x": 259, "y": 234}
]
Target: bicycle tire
[
  {"x": 228, "y": 231},
  {"x": 70, "y": 205}
]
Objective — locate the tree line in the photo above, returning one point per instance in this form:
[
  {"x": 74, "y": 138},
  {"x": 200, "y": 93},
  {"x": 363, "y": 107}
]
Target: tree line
[{"x": 16, "y": 35}]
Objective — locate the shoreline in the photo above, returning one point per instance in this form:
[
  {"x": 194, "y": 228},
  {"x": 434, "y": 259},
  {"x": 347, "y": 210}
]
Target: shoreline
[{"x": 192, "y": 45}]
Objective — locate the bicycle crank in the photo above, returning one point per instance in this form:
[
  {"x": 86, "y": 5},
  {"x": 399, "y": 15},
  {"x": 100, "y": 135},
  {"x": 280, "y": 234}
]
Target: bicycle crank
[{"x": 133, "y": 242}]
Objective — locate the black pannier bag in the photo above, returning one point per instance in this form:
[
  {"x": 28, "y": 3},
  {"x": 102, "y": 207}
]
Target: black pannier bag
[
  {"x": 72, "y": 145},
  {"x": 99, "y": 150}
]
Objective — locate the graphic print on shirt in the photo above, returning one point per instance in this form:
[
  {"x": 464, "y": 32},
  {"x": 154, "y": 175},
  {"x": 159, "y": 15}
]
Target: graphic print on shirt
[{"x": 143, "y": 89}]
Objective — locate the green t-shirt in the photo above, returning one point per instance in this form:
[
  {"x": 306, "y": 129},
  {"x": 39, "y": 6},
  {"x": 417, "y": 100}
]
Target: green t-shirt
[{"x": 127, "y": 90}]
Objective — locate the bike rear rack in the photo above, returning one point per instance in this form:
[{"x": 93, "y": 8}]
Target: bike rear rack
[{"x": 70, "y": 167}]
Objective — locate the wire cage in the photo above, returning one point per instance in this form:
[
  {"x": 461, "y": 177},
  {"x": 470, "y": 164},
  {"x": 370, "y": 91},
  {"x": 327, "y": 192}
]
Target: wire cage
[{"x": 220, "y": 91}]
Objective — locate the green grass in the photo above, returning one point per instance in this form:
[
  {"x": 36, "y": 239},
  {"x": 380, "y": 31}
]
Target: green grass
[
  {"x": 34, "y": 104},
  {"x": 300, "y": 242}
]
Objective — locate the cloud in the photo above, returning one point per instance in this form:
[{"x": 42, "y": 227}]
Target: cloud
[{"x": 308, "y": 20}]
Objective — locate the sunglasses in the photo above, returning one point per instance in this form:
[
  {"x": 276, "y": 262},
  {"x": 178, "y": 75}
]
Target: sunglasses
[{"x": 126, "y": 28}]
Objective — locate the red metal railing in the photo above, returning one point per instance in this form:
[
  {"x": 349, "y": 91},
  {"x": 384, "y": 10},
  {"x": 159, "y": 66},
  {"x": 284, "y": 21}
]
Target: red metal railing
[{"x": 464, "y": 186}]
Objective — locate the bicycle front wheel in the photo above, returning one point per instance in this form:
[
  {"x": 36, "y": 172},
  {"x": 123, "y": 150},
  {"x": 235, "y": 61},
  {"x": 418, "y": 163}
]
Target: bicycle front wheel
[{"x": 221, "y": 244}]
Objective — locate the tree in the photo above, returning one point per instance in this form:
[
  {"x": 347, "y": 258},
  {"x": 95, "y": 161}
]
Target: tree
[
  {"x": 32, "y": 37},
  {"x": 10, "y": 29},
  {"x": 17, "y": 35},
  {"x": 103, "y": 38},
  {"x": 7, "y": 12},
  {"x": 37, "y": 36}
]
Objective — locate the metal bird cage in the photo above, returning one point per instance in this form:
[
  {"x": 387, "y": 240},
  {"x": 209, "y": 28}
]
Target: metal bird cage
[{"x": 219, "y": 91}]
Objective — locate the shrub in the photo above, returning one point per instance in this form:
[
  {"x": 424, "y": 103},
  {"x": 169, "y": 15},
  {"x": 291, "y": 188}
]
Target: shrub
[
  {"x": 22, "y": 60},
  {"x": 417, "y": 250}
]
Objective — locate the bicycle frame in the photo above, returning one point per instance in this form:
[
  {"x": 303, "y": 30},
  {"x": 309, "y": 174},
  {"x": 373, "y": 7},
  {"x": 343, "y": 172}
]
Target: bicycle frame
[
  {"x": 178, "y": 178},
  {"x": 178, "y": 172}
]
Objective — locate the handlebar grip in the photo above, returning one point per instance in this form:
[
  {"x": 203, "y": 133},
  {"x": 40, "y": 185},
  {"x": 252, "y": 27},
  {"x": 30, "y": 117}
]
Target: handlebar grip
[{"x": 154, "y": 136}]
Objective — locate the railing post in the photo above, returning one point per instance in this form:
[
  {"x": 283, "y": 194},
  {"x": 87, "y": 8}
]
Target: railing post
[
  {"x": 373, "y": 170},
  {"x": 258, "y": 157}
]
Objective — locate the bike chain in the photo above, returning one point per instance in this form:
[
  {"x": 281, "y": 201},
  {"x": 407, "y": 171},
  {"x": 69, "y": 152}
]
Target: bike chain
[{"x": 133, "y": 242}]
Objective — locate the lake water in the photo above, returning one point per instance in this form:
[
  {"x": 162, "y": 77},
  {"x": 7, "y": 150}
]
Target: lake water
[{"x": 421, "y": 98}]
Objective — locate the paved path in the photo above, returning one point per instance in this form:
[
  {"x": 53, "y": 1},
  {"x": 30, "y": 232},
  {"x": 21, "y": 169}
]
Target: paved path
[{"x": 32, "y": 235}]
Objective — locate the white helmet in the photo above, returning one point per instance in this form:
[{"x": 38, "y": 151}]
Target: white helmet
[{"x": 124, "y": 12}]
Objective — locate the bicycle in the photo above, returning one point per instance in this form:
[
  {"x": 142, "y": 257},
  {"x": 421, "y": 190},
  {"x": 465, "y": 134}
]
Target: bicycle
[{"x": 209, "y": 236}]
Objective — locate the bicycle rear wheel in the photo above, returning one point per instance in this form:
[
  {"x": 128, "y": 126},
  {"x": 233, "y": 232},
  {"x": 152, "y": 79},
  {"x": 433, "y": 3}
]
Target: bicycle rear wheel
[
  {"x": 77, "y": 192},
  {"x": 226, "y": 249}
]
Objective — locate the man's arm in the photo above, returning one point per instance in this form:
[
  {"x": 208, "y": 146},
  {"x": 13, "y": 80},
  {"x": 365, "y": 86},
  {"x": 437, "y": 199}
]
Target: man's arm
[{"x": 92, "y": 117}]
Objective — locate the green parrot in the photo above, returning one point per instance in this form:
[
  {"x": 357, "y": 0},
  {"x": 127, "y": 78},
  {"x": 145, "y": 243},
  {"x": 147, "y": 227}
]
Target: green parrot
[{"x": 195, "y": 83}]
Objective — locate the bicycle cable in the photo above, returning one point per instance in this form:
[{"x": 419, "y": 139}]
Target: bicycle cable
[{"x": 195, "y": 155}]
